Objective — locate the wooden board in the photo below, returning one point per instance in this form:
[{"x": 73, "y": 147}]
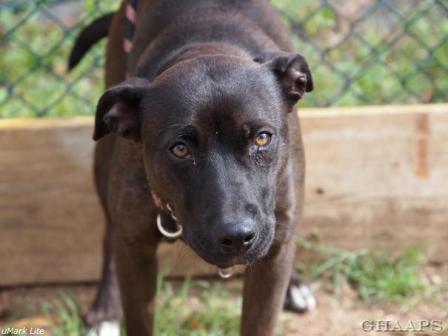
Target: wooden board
[
  {"x": 376, "y": 177},
  {"x": 50, "y": 223}
]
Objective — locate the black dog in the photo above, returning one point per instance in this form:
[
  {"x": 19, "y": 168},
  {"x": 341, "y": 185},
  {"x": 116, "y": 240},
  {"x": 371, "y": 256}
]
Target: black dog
[{"x": 202, "y": 141}]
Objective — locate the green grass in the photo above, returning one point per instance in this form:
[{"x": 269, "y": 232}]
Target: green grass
[
  {"x": 68, "y": 317},
  {"x": 213, "y": 312},
  {"x": 197, "y": 308},
  {"x": 63, "y": 314},
  {"x": 201, "y": 308},
  {"x": 375, "y": 276}
]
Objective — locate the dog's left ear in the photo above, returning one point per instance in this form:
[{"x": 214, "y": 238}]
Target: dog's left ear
[
  {"x": 292, "y": 72},
  {"x": 118, "y": 110}
]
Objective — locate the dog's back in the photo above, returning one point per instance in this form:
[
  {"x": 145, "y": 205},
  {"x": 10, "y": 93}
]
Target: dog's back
[
  {"x": 242, "y": 21},
  {"x": 167, "y": 25}
]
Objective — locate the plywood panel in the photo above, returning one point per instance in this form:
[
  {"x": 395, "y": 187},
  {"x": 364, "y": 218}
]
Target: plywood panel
[{"x": 376, "y": 177}]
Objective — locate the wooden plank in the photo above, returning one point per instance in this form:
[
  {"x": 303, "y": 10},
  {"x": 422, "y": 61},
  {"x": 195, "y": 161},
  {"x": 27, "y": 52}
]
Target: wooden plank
[
  {"x": 50, "y": 223},
  {"x": 376, "y": 177}
]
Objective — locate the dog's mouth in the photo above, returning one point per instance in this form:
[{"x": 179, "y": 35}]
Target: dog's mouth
[
  {"x": 226, "y": 264},
  {"x": 223, "y": 261}
]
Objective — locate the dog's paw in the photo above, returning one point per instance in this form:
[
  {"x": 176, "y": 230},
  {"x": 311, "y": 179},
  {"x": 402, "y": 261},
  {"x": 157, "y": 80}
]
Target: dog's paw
[
  {"x": 105, "y": 328},
  {"x": 299, "y": 297}
]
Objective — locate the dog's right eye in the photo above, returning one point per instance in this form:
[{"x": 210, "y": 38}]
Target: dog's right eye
[
  {"x": 180, "y": 150},
  {"x": 263, "y": 139}
]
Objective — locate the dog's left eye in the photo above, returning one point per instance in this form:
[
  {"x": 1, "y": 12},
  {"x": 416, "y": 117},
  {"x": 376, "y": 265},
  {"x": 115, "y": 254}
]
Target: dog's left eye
[
  {"x": 180, "y": 150},
  {"x": 263, "y": 139}
]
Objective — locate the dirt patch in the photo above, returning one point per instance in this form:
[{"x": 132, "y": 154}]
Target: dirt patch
[{"x": 345, "y": 316}]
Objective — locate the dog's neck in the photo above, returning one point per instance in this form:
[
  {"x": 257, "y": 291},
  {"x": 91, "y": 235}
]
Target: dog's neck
[{"x": 203, "y": 50}]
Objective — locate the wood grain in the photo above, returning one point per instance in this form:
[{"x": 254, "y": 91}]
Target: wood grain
[{"x": 376, "y": 177}]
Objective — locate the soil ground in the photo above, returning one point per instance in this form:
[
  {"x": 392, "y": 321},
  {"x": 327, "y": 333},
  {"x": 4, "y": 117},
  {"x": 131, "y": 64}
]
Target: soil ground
[{"x": 335, "y": 317}]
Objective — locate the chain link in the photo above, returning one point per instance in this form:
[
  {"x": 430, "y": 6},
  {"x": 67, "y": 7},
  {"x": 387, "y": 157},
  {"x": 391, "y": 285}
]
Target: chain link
[{"x": 361, "y": 52}]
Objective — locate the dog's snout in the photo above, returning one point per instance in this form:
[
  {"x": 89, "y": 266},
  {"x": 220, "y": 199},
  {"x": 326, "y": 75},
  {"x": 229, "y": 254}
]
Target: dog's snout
[{"x": 237, "y": 238}]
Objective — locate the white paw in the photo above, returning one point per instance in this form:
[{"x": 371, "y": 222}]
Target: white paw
[
  {"x": 106, "y": 328},
  {"x": 302, "y": 299}
]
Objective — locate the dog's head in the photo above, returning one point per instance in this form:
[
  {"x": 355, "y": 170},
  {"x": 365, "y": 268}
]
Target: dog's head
[{"x": 214, "y": 137}]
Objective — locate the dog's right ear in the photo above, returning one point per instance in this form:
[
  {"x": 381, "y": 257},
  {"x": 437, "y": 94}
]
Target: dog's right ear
[{"x": 118, "y": 110}]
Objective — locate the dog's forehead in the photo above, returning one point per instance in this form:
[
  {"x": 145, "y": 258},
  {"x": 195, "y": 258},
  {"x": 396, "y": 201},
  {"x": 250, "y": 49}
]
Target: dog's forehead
[{"x": 218, "y": 94}]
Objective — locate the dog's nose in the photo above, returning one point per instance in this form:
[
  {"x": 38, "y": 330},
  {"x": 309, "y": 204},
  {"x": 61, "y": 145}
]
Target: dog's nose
[{"x": 237, "y": 238}]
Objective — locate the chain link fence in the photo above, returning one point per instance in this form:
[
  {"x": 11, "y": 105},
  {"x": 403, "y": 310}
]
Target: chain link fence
[{"x": 361, "y": 52}]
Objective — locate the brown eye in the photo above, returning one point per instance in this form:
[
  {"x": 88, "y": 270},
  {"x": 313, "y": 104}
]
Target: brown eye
[
  {"x": 180, "y": 150},
  {"x": 263, "y": 139}
]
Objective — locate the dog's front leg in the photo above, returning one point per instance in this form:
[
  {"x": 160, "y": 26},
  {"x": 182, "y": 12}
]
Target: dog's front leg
[
  {"x": 137, "y": 277},
  {"x": 135, "y": 236},
  {"x": 265, "y": 285}
]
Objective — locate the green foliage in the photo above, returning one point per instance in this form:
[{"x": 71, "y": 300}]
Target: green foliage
[
  {"x": 375, "y": 276},
  {"x": 200, "y": 308},
  {"x": 384, "y": 277},
  {"x": 383, "y": 53},
  {"x": 388, "y": 54},
  {"x": 63, "y": 314},
  {"x": 197, "y": 308},
  {"x": 213, "y": 312},
  {"x": 68, "y": 316},
  {"x": 33, "y": 76}
]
